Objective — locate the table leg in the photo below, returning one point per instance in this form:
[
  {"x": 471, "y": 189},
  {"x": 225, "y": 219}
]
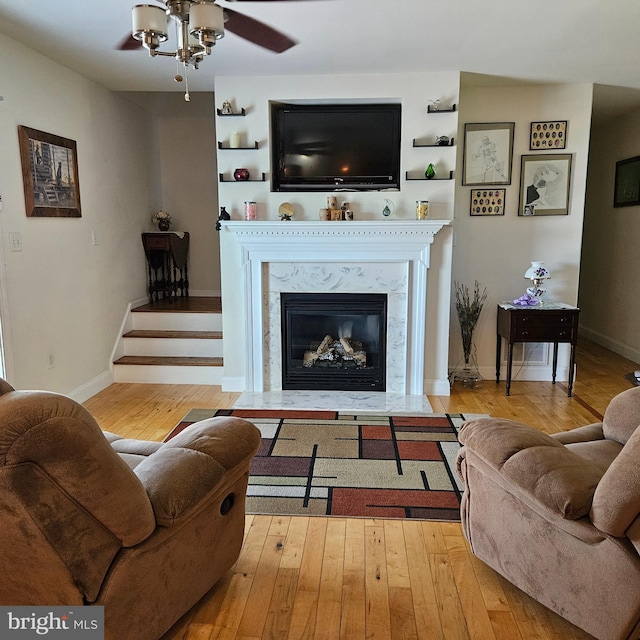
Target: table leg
[
  {"x": 572, "y": 363},
  {"x": 509, "y": 363},
  {"x": 498, "y": 353},
  {"x": 555, "y": 363}
]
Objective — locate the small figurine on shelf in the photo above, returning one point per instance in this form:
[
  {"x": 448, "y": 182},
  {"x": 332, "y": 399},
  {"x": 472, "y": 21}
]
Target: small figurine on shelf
[
  {"x": 430, "y": 172},
  {"x": 442, "y": 141},
  {"x": 162, "y": 219},
  {"x": 226, "y": 108},
  {"x": 434, "y": 105},
  {"x": 224, "y": 215},
  {"x": 285, "y": 211}
]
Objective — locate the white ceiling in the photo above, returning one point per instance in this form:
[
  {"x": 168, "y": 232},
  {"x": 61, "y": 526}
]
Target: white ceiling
[{"x": 594, "y": 41}]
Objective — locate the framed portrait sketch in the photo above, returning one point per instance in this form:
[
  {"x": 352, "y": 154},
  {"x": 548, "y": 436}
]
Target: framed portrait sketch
[
  {"x": 548, "y": 135},
  {"x": 626, "y": 192},
  {"x": 487, "y": 202},
  {"x": 488, "y": 151},
  {"x": 49, "y": 174},
  {"x": 544, "y": 185}
]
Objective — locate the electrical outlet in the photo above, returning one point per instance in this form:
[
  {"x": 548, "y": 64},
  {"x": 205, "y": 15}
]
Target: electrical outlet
[
  {"x": 15, "y": 241},
  {"x": 51, "y": 361}
]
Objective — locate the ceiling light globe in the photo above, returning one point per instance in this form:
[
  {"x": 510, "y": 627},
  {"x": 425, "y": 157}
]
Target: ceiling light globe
[
  {"x": 206, "y": 20},
  {"x": 149, "y": 20}
]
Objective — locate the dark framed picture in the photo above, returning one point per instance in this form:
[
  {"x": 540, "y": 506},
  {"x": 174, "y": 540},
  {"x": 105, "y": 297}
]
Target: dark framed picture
[
  {"x": 487, "y": 202},
  {"x": 488, "y": 152},
  {"x": 545, "y": 182},
  {"x": 626, "y": 192},
  {"x": 548, "y": 135},
  {"x": 49, "y": 174}
]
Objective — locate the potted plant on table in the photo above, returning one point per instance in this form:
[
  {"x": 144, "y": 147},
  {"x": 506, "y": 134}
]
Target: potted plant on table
[{"x": 162, "y": 219}]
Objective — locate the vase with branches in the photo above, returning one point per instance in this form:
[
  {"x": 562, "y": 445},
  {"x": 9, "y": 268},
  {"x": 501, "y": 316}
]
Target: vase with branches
[{"x": 468, "y": 307}]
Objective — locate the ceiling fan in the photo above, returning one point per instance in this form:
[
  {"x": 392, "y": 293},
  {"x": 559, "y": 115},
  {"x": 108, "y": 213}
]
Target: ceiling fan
[{"x": 199, "y": 24}]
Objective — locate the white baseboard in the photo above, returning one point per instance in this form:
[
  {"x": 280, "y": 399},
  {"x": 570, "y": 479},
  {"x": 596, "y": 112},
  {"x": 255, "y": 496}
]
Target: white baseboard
[
  {"x": 624, "y": 350},
  {"x": 91, "y": 388},
  {"x": 437, "y": 387},
  {"x": 204, "y": 293}
]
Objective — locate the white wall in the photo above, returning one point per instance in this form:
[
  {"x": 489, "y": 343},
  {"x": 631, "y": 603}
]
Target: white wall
[
  {"x": 189, "y": 179},
  {"x": 61, "y": 295},
  {"x": 496, "y": 250},
  {"x": 413, "y": 90},
  {"x": 610, "y": 254}
]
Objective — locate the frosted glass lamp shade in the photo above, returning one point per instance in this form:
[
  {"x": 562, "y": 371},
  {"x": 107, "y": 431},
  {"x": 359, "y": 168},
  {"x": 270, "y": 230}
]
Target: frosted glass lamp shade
[
  {"x": 537, "y": 271},
  {"x": 151, "y": 20},
  {"x": 206, "y": 18}
]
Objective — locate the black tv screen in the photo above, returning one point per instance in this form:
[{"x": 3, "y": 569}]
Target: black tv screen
[{"x": 334, "y": 147}]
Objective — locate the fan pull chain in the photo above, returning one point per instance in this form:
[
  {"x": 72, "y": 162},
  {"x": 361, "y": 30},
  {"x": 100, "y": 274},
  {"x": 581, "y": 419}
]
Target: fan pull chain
[{"x": 187, "y": 97}]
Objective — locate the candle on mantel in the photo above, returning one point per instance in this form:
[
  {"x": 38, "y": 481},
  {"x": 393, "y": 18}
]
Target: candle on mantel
[{"x": 234, "y": 140}]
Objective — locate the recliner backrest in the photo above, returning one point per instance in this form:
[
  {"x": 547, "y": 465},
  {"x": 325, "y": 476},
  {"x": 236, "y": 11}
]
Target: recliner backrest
[
  {"x": 64, "y": 488},
  {"x": 622, "y": 416}
]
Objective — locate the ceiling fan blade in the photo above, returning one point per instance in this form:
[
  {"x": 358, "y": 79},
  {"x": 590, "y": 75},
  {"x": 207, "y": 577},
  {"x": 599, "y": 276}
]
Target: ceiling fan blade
[
  {"x": 129, "y": 44},
  {"x": 257, "y": 32}
]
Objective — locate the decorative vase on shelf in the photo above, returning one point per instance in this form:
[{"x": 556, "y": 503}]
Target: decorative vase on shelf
[
  {"x": 430, "y": 172},
  {"x": 241, "y": 174},
  {"x": 164, "y": 225}
]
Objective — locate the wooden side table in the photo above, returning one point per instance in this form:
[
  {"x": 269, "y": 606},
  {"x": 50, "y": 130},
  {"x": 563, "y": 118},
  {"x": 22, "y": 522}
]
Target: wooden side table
[
  {"x": 167, "y": 270},
  {"x": 553, "y": 322}
]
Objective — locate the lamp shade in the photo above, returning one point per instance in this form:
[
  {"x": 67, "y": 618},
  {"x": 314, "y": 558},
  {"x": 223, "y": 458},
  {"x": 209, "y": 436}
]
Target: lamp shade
[
  {"x": 149, "y": 19},
  {"x": 537, "y": 270},
  {"x": 206, "y": 17}
]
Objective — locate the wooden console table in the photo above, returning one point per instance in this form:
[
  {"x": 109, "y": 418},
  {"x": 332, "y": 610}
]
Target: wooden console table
[
  {"x": 553, "y": 322},
  {"x": 167, "y": 270}
]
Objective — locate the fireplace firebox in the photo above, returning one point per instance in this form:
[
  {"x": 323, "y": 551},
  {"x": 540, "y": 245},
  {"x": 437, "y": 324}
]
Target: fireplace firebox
[{"x": 334, "y": 341}]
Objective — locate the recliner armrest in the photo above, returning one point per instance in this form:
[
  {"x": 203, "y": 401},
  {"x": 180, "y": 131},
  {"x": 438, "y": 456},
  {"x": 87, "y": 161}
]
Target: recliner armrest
[
  {"x": 536, "y": 463},
  {"x": 187, "y": 470}
]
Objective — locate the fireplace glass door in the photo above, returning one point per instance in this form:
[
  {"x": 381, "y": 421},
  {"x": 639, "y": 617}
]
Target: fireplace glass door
[{"x": 334, "y": 341}]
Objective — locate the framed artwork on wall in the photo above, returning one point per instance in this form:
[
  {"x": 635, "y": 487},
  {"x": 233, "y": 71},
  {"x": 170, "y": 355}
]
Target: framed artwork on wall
[
  {"x": 487, "y": 202},
  {"x": 544, "y": 185},
  {"x": 49, "y": 174},
  {"x": 548, "y": 135},
  {"x": 488, "y": 152},
  {"x": 626, "y": 192}
]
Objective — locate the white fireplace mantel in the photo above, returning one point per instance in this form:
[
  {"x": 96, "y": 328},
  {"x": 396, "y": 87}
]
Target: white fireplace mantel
[{"x": 349, "y": 254}]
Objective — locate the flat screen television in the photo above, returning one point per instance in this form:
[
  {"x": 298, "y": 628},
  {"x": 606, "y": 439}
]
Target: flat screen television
[{"x": 323, "y": 147}]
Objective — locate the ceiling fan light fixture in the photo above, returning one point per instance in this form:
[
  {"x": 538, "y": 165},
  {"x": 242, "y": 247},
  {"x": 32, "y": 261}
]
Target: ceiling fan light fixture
[
  {"x": 149, "y": 25},
  {"x": 206, "y": 22}
]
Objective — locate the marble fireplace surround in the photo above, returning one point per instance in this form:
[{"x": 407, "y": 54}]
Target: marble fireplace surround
[{"x": 348, "y": 257}]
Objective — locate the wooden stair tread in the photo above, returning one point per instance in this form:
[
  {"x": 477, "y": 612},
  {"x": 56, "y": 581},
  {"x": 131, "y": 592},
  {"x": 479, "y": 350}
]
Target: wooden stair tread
[
  {"x": 171, "y": 361},
  {"x": 191, "y": 304},
  {"x": 197, "y": 335}
]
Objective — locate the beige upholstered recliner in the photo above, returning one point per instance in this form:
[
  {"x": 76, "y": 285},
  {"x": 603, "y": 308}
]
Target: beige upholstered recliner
[
  {"x": 559, "y": 516},
  {"x": 143, "y": 528}
]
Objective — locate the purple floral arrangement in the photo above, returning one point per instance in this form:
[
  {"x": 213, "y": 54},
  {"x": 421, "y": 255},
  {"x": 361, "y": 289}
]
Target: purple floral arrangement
[{"x": 526, "y": 301}]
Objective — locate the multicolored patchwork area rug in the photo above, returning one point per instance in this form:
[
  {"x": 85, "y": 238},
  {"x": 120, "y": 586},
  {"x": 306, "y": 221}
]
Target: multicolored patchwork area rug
[{"x": 328, "y": 463}]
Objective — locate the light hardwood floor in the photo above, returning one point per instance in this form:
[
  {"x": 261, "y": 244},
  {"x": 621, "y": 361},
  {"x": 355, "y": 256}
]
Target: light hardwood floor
[{"x": 329, "y": 578}]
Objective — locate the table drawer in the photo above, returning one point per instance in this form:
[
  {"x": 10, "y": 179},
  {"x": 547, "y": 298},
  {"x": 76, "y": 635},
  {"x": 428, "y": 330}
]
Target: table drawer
[
  {"x": 155, "y": 242},
  {"x": 533, "y": 320},
  {"x": 543, "y": 334}
]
